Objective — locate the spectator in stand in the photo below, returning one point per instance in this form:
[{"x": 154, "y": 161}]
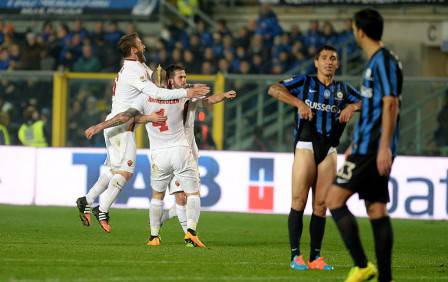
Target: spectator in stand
[
  {"x": 4, "y": 59},
  {"x": 195, "y": 46},
  {"x": 34, "y": 131},
  {"x": 296, "y": 34},
  {"x": 209, "y": 56},
  {"x": 222, "y": 28},
  {"x": 267, "y": 25},
  {"x": 30, "y": 59},
  {"x": 113, "y": 34},
  {"x": 191, "y": 62},
  {"x": 313, "y": 38},
  {"x": 187, "y": 7},
  {"x": 80, "y": 30},
  {"x": 176, "y": 56},
  {"x": 251, "y": 27},
  {"x": 258, "y": 65},
  {"x": 243, "y": 38},
  {"x": 223, "y": 66},
  {"x": 204, "y": 35},
  {"x": 218, "y": 48},
  {"x": 207, "y": 68},
  {"x": 87, "y": 62},
  {"x": 346, "y": 38},
  {"x": 256, "y": 47},
  {"x": 329, "y": 36},
  {"x": 14, "y": 55}
]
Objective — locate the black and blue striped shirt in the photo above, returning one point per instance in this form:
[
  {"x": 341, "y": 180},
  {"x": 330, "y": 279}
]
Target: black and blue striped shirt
[
  {"x": 326, "y": 102},
  {"x": 382, "y": 77}
]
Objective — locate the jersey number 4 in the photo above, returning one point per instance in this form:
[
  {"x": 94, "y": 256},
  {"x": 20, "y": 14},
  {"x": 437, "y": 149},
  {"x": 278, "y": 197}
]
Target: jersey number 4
[{"x": 163, "y": 126}]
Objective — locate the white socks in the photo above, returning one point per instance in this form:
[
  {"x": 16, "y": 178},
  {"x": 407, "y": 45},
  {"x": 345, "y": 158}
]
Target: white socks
[
  {"x": 193, "y": 211},
  {"x": 155, "y": 216},
  {"x": 99, "y": 187},
  {"x": 110, "y": 195},
  {"x": 182, "y": 216}
]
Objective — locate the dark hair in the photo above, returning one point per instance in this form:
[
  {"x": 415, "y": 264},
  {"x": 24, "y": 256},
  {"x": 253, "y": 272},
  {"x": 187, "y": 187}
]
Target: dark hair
[
  {"x": 371, "y": 22},
  {"x": 171, "y": 70},
  {"x": 126, "y": 43},
  {"x": 325, "y": 47}
]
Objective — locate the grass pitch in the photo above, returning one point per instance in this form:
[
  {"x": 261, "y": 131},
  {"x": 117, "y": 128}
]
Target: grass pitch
[{"x": 50, "y": 244}]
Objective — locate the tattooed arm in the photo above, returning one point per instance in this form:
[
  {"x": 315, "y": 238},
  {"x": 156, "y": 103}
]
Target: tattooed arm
[{"x": 130, "y": 114}]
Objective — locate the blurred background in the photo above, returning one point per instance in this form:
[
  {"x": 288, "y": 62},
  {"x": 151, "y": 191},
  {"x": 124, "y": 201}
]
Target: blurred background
[{"x": 58, "y": 61}]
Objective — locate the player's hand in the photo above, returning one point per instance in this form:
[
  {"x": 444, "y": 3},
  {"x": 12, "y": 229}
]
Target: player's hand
[
  {"x": 155, "y": 117},
  {"x": 198, "y": 91},
  {"x": 346, "y": 114},
  {"x": 199, "y": 85},
  {"x": 229, "y": 94},
  {"x": 305, "y": 112},
  {"x": 348, "y": 152},
  {"x": 89, "y": 132},
  {"x": 384, "y": 161}
]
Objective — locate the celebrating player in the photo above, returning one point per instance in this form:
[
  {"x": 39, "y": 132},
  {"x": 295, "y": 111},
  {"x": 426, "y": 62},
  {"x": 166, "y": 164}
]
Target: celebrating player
[
  {"x": 324, "y": 106},
  {"x": 177, "y": 78},
  {"x": 366, "y": 170},
  {"x": 131, "y": 83}
]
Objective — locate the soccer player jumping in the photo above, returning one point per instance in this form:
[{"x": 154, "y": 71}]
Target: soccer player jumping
[
  {"x": 324, "y": 106},
  {"x": 132, "y": 82},
  {"x": 366, "y": 170}
]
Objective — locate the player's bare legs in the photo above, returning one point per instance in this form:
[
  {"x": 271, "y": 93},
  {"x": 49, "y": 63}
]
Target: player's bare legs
[
  {"x": 303, "y": 175},
  {"x": 326, "y": 172}
]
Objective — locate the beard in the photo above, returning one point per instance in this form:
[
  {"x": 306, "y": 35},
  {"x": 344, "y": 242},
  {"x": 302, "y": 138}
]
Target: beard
[{"x": 141, "y": 57}]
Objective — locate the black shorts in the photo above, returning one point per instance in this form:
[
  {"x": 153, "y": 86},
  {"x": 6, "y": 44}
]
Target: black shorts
[{"x": 359, "y": 174}]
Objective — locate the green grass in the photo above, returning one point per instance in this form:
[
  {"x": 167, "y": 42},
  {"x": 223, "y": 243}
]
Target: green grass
[{"x": 50, "y": 244}]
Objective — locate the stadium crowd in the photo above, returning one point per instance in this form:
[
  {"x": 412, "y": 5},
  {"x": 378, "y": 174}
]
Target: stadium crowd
[{"x": 260, "y": 47}]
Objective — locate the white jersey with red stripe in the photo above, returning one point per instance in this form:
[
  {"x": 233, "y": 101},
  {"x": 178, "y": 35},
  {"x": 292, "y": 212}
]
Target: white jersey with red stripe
[
  {"x": 170, "y": 133},
  {"x": 132, "y": 82}
]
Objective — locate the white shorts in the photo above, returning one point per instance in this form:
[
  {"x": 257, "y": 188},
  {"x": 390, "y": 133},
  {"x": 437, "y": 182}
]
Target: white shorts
[
  {"x": 309, "y": 146},
  {"x": 121, "y": 149},
  {"x": 175, "y": 162}
]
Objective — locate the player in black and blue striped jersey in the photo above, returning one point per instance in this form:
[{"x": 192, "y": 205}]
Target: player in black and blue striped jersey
[
  {"x": 324, "y": 106},
  {"x": 367, "y": 168}
]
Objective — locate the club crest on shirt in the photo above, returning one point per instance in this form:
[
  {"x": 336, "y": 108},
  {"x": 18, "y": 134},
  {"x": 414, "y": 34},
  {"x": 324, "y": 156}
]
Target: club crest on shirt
[
  {"x": 339, "y": 96},
  {"x": 327, "y": 94},
  {"x": 142, "y": 78},
  {"x": 130, "y": 162}
]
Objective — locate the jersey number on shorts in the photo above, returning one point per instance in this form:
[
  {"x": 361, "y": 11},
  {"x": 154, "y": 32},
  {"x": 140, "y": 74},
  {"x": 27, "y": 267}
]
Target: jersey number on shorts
[
  {"x": 345, "y": 172},
  {"x": 162, "y": 125}
]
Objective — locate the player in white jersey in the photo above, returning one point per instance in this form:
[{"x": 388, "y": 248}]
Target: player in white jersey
[
  {"x": 171, "y": 156},
  {"x": 132, "y": 82},
  {"x": 177, "y": 78}
]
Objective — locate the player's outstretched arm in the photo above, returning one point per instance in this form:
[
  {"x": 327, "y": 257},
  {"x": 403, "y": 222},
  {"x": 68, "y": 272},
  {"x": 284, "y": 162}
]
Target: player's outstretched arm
[
  {"x": 118, "y": 119},
  {"x": 216, "y": 98},
  {"x": 280, "y": 93},
  {"x": 151, "y": 90},
  {"x": 347, "y": 112},
  {"x": 388, "y": 122}
]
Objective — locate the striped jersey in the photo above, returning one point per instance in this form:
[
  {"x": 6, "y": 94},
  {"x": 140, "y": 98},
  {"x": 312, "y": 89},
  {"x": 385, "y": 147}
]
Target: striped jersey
[
  {"x": 326, "y": 102},
  {"x": 382, "y": 77}
]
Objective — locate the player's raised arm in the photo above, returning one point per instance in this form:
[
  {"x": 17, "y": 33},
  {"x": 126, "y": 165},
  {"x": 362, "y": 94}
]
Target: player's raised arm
[
  {"x": 118, "y": 119},
  {"x": 216, "y": 98},
  {"x": 280, "y": 93}
]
